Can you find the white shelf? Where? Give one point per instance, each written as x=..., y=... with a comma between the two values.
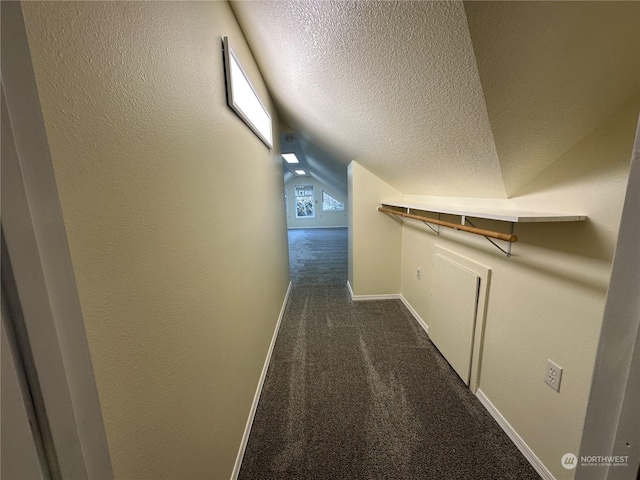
x=503, y=214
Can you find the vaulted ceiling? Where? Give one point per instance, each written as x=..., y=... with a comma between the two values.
x=551, y=73
x=444, y=98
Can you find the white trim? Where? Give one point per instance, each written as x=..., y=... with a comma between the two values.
x=23, y=456
x=484, y=272
x=418, y=318
x=612, y=418
x=389, y=296
x=531, y=457
x=256, y=398
x=334, y=197
x=231, y=58
x=306, y=228
x=313, y=196
x=43, y=275
x=364, y=298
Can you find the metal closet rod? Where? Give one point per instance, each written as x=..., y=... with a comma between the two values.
x=507, y=237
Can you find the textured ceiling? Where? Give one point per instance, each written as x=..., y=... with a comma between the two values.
x=392, y=84
x=442, y=98
x=551, y=73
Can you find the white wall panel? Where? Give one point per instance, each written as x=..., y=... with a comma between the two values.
x=453, y=313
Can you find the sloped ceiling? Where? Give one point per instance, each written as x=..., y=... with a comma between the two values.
x=392, y=84
x=320, y=164
x=442, y=98
x=551, y=73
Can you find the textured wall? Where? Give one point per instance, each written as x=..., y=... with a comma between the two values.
x=375, y=240
x=153, y=169
x=547, y=301
x=322, y=219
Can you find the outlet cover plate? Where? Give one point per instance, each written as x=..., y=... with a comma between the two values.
x=553, y=375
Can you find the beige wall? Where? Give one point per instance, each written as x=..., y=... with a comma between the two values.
x=547, y=301
x=322, y=219
x=551, y=73
x=375, y=240
x=178, y=297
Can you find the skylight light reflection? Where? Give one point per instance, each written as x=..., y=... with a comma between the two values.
x=290, y=158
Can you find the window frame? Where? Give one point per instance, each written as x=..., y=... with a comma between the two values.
x=313, y=199
x=324, y=192
x=229, y=55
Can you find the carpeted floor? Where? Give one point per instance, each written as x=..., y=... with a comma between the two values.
x=318, y=256
x=356, y=390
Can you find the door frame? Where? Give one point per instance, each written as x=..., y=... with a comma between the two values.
x=612, y=418
x=44, y=280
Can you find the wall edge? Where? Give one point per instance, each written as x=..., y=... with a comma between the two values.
x=256, y=398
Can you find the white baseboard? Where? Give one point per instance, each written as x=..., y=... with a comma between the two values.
x=418, y=318
x=364, y=298
x=256, y=398
x=328, y=226
x=389, y=296
x=515, y=438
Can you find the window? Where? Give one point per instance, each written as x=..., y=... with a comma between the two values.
x=243, y=99
x=330, y=204
x=304, y=201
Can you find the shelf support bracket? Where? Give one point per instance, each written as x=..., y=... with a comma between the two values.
x=426, y=222
x=507, y=252
x=435, y=230
x=400, y=218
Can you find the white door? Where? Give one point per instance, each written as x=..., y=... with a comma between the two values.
x=453, y=313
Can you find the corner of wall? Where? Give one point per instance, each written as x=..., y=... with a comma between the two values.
x=375, y=239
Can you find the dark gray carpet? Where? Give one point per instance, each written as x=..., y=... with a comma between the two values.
x=318, y=256
x=356, y=390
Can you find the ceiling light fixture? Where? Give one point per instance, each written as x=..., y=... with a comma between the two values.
x=290, y=158
x=301, y=172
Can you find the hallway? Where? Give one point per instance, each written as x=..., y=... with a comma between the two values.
x=318, y=256
x=146, y=229
x=356, y=390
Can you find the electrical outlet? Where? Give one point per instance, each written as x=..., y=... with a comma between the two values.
x=419, y=273
x=553, y=375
